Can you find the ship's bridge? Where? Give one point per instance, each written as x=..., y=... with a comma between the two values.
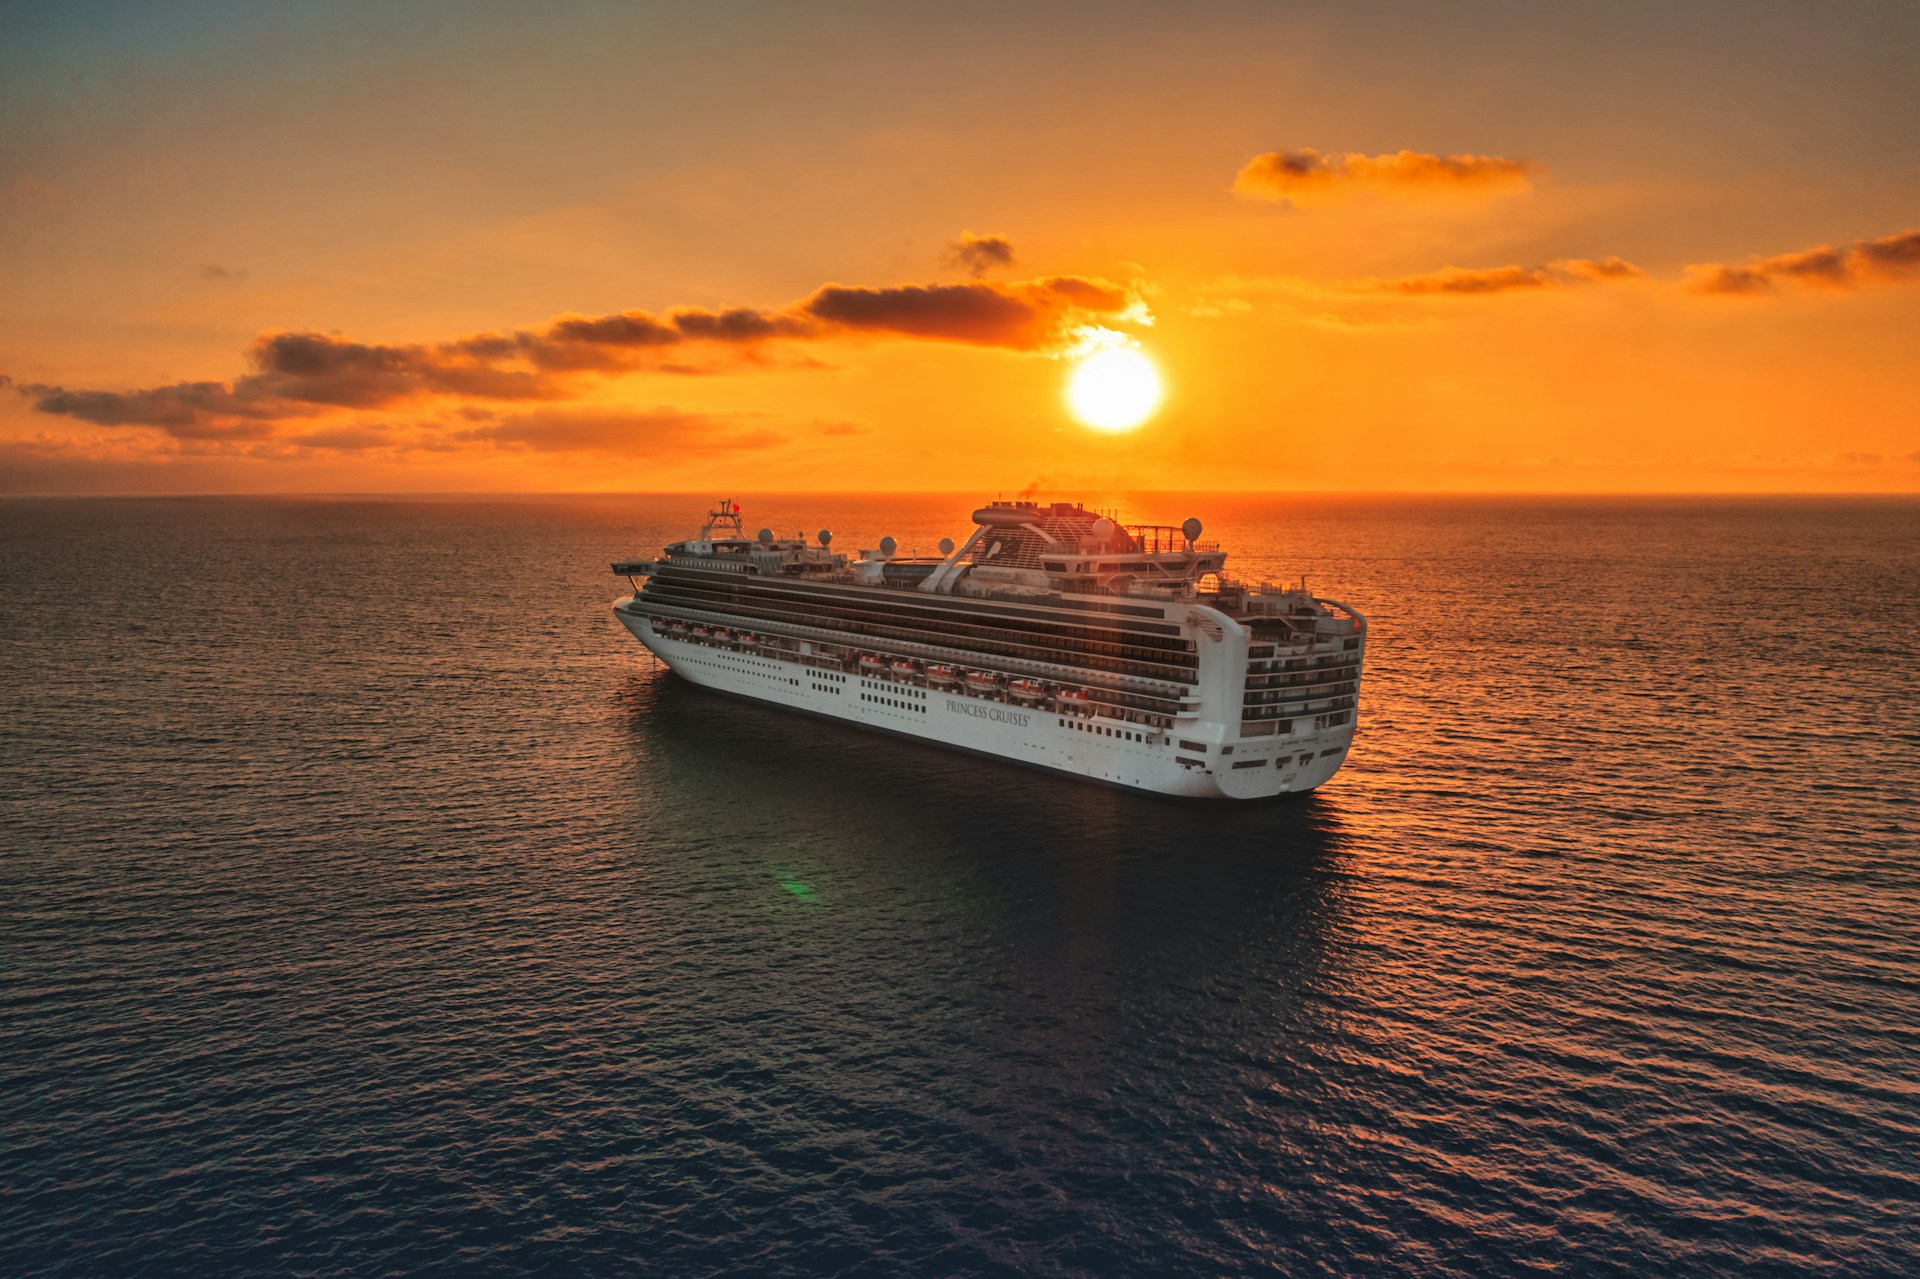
x=1081, y=549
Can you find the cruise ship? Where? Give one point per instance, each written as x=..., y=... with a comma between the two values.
x=1053, y=636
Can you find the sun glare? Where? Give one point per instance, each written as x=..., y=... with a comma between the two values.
x=1115, y=389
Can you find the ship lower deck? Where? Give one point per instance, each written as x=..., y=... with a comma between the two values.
x=1088, y=746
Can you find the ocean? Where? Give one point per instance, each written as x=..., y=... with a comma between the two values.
x=375, y=907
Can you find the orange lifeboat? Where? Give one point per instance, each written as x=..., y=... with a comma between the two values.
x=701, y=632
x=723, y=635
x=981, y=681
x=902, y=670
x=941, y=675
x=751, y=641
x=871, y=665
x=1072, y=697
x=1027, y=690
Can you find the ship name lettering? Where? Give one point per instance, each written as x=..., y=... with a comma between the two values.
x=1018, y=719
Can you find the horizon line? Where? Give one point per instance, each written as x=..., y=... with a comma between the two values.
x=708, y=493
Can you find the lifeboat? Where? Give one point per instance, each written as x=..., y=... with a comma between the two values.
x=701, y=632
x=1072, y=697
x=902, y=670
x=941, y=675
x=677, y=628
x=1027, y=690
x=982, y=681
x=751, y=641
x=723, y=635
x=871, y=665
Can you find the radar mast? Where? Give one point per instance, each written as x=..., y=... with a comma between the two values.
x=726, y=516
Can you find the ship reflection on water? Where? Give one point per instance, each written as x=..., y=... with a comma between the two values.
x=908, y=830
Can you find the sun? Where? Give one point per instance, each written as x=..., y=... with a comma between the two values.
x=1115, y=389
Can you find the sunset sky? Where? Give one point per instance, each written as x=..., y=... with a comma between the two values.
x=340, y=248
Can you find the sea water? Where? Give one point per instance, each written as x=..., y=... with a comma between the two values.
x=375, y=906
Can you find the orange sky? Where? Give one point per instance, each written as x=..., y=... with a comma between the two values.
x=1613, y=247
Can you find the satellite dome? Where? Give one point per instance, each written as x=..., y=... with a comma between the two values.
x=888, y=546
x=1191, y=528
x=946, y=546
x=1103, y=528
x=766, y=537
x=826, y=536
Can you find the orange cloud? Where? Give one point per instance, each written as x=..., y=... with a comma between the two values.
x=1891, y=259
x=1461, y=282
x=1307, y=176
x=979, y=254
x=300, y=375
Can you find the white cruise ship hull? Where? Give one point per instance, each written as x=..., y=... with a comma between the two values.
x=1193, y=758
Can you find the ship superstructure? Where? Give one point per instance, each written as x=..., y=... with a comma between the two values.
x=1053, y=636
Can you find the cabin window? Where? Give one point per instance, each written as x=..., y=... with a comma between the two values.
x=1186, y=745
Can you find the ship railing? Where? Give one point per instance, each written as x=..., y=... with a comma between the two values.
x=1114, y=654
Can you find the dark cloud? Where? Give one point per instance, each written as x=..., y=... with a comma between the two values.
x=1309, y=176
x=1032, y=315
x=317, y=368
x=978, y=254
x=214, y=271
x=187, y=410
x=297, y=375
x=1891, y=259
x=1462, y=282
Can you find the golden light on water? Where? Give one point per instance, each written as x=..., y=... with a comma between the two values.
x=1114, y=389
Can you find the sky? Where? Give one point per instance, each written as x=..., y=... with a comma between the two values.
x=1580, y=247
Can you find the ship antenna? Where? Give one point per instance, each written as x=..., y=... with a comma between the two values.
x=727, y=515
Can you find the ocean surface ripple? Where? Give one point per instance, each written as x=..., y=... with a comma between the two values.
x=375, y=907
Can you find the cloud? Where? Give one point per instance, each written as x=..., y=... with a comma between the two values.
x=186, y=410
x=1307, y=176
x=979, y=254
x=1462, y=282
x=619, y=431
x=346, y=439
x=214, y=271
x=1032, y=315
x=1891, y=259
x=302, y=375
